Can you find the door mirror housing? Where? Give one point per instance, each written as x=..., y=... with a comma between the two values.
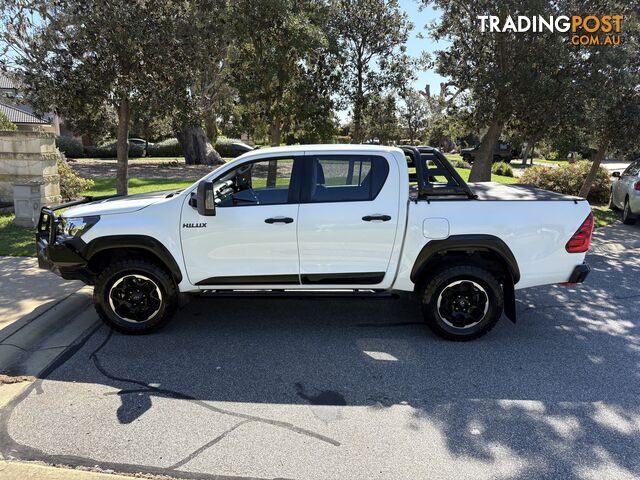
x=204, y=199
x=616, y=174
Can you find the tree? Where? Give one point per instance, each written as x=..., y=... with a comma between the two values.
x=6, y=124
x=380, y=119
x=84, y=58
x=280, y=60
x=414, y=113
x=372, y=36
x=494, y=70
x=607, y=91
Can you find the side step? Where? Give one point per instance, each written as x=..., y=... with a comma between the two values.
x=300, y=293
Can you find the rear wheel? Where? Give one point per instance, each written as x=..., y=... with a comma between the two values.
x=628, y=218
x=462, y=302
x=135, y=296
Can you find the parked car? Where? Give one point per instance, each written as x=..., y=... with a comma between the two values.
x=312, y=219
x=502, y=152
x=141, y=143
x=625, y=192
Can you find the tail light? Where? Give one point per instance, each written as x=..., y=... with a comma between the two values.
x=636, y=186
x=580, y=241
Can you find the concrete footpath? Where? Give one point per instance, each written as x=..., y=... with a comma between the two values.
x=41, y=316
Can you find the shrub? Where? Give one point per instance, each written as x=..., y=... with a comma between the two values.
x=110, y=150
x=224, y=147
x=461, y=164
x=568, y=179
x=166, y=148
x=502, y=168
x=71, y=185
x=6, y=124
x=71, y=147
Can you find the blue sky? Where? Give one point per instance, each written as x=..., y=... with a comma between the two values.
x=416, y=46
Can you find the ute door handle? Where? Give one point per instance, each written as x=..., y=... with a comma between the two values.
x=278, y=220
x=371, y=218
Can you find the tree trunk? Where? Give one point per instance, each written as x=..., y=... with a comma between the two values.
x=481, y=170
x=196, y=147
x=591, y=176
x=122, y=180
x=357, y=133
x=275, y=132
x=533, y=151
x=525, y=154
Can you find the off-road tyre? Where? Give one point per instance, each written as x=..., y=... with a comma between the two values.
x=443, y=285
x=142, y=280
x=612, y=205
x=628, y=218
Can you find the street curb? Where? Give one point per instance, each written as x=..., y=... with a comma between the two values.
x=36, y=471
x=37, y=345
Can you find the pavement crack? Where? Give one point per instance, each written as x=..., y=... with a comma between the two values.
x=207, y=445
x=182, y=396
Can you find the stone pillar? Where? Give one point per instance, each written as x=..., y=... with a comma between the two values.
x=27, y=200
x=28, y=157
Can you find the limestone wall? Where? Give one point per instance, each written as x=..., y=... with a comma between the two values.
x=29, y=157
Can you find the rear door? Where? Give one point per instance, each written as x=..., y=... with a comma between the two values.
x=348, y=219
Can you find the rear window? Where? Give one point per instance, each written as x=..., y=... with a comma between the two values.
x=346, y=178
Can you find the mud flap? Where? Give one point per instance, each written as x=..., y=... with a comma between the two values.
x=509, y=301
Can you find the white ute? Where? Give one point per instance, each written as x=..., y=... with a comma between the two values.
x=314, y=218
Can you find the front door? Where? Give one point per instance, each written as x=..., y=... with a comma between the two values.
x=251, y=240
x=347, y=220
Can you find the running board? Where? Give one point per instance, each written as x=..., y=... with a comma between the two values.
x=361, y=293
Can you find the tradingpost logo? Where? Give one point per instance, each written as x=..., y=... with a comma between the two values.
x=582, y=30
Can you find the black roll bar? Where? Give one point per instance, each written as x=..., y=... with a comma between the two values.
x=455, y=184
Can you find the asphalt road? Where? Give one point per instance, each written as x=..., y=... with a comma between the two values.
x=357, y=389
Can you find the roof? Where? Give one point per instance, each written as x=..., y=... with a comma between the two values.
x=6, y=82
x=332, y=147
x=19, y=116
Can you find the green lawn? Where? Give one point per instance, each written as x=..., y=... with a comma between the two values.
x=464, y=173
x=159, y=159
x=107, y=186
x=453, y=157
x=16, y=241
x=603, y=215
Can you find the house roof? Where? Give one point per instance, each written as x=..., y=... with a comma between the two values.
x=6, y=82
x=18, y=116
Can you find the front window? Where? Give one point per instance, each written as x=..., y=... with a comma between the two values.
x=265, y=182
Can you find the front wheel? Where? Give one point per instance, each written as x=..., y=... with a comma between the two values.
x=628, y=218
x=462, y=302
x=135, y=296
x=612, y=204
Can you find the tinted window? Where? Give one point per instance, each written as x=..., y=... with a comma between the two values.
x=632, y=170
x=259, y=183
x=346, y=178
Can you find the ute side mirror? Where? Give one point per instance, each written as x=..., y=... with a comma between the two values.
x=616, y=174
x=204, y=199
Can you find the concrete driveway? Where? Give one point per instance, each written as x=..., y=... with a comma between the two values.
x=357, y=389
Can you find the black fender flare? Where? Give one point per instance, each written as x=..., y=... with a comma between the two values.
x=470, y=243
x=144, y=242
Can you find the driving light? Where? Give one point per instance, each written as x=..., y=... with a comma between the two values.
x=76, y=226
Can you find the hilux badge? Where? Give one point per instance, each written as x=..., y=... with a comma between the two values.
x=194, y=225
